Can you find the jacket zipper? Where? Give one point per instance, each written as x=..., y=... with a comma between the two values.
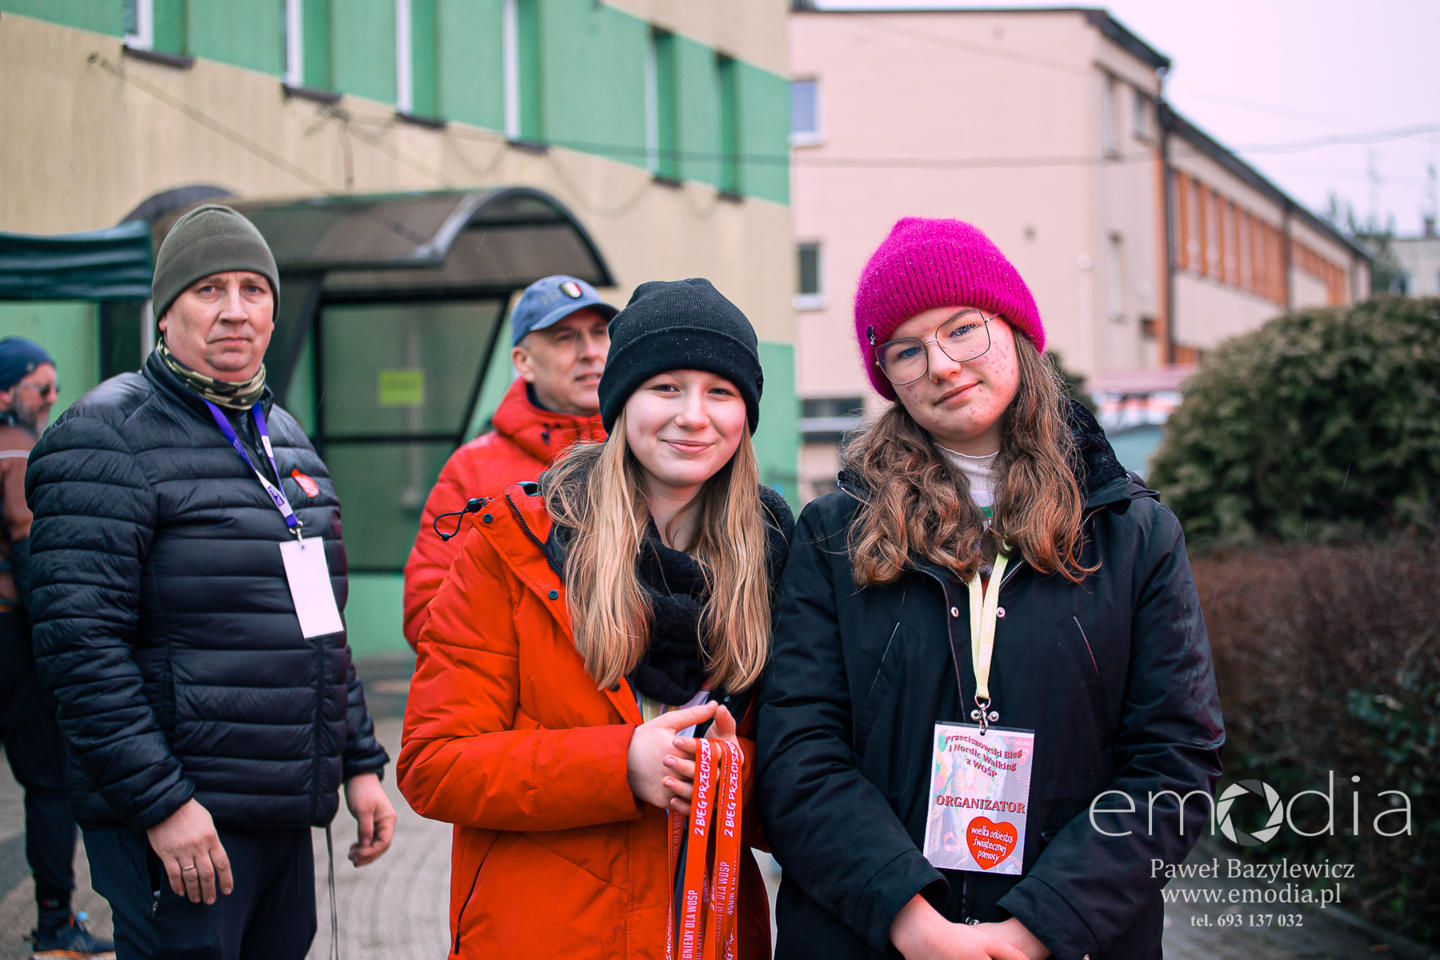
x=1088, y=649
x=460, y=917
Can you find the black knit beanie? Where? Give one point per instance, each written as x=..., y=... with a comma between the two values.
x=679, y=325
x=209, y=239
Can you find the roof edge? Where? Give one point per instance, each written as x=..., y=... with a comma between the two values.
x=1098, y=17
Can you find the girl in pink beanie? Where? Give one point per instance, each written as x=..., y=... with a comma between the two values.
x=989, y=672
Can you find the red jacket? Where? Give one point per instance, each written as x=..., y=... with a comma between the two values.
x=525, y=441
x=507, y=737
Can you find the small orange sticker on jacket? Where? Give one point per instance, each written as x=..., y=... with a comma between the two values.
x=311, y=488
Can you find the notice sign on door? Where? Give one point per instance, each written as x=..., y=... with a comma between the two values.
x=402, y=388
x=979, y=798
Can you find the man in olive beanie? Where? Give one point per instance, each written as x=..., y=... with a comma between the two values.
x=187, y=578
x=204, y=241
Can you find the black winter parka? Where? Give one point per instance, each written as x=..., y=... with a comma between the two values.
x=1114, y=675
x=163, y=621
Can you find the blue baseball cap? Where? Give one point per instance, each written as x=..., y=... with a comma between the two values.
x=551, y=299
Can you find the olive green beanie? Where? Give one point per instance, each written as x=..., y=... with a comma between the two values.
x=209, y=239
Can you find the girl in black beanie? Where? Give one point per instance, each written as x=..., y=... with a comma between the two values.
x=590, y=627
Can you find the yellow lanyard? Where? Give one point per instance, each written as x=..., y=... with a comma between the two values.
x=983, y=606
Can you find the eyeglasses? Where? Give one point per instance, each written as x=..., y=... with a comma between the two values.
x=962, y=338
x=51, y=390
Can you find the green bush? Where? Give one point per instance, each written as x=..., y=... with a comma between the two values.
x=1322, y=425
x=1328, y=662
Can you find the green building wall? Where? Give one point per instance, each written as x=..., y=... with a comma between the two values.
x=589, y=70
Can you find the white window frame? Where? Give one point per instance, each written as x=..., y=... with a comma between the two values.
x=652, y=105
x=144, y=36
x=1115, y=276
x=808, y=138
x=404, y=69
x=1140, y=116
x=510, y=34
x=294, y=43
x=816, y=300
x=1110, y=128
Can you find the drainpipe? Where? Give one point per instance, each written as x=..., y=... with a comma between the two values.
x=1165, y=321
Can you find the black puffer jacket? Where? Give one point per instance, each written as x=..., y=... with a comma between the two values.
x=1114, y=675
x=163, y=620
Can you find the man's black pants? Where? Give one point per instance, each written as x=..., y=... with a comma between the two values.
x=37, y=758
x=269, y=916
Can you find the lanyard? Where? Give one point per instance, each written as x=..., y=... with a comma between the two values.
x=706, y=928
x=983, y=606
x=277, y=496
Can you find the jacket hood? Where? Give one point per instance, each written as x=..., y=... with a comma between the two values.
x=1101, y=477
x=541, y=433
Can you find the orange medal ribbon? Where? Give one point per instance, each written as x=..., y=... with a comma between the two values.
x=706, y=930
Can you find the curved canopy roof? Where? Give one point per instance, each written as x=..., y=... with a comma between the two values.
x=430, y=243
x=112, y=264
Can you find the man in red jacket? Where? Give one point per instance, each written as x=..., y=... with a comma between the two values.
x=559, y=342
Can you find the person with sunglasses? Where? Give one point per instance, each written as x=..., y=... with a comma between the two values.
x=990, y=675
x=28, y=390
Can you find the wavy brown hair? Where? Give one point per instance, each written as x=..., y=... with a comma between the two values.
x=597, y=490
x=919, y=504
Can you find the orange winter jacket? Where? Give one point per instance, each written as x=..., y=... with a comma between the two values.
x=525, y=441
x=507, y=737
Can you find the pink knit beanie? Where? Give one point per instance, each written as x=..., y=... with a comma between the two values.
x=927, y=263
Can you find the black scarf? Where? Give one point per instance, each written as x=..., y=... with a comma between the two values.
x=671, y=670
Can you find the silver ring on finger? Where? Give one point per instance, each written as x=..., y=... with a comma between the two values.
x=190, y=867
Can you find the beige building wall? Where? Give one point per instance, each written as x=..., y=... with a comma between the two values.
x=85, y=163
x=754, y=28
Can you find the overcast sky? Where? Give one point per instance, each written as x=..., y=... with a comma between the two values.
x=1262, y=75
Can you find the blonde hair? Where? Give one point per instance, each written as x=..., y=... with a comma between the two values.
x=597, y=490
x=919, y=505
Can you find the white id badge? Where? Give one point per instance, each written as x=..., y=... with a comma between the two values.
x=309, y=577
x=979, y=798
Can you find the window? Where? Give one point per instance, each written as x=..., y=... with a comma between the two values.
x=1115, y=277
x=139, y=23
x=804, y=112
x=292, y=43
x=305, y=42
x=828, y=419
x=661, y=153
x=404, y=76
x=415, y=68
x=728, y=114
x=1140, y=116
x=1107, y=113
x=808, y=295
x=1212, y=234
x=520, y=29
x=1244, y=272
x=1194, y=242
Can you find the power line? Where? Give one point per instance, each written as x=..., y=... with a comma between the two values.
x=249, y=145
